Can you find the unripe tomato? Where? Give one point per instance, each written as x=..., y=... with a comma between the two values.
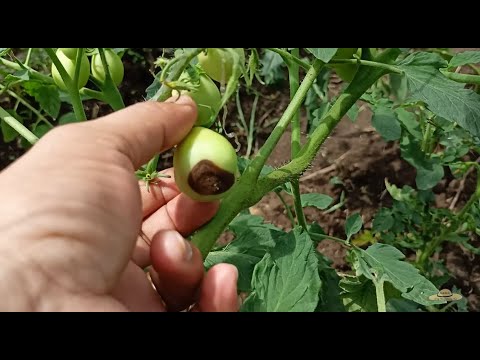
x=205, y=165
x=346, y=71
x=71, y=53
x=218, y=63
x=207, y=97
x=69, y=66
x=115, y=65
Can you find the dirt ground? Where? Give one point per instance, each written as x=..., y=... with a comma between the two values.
x=354, y=153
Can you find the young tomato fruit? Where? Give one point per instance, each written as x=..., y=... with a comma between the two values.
x=115, y=65
x=71, y=53
x=205, y=165
x=69, y=66
x=346, y=71
x=207, y=97
x=218, y=63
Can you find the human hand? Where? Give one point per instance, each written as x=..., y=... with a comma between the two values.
x=72, y=211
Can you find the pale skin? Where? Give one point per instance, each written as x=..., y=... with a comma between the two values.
x=72, y=211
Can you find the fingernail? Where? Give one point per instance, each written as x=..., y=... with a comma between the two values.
x=177, y=247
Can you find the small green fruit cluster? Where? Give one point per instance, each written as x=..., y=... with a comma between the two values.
x=68, y=58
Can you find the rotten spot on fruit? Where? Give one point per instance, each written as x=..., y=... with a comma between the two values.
x=446, y=295
x=206, y=178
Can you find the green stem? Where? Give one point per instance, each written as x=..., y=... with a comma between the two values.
x=290, y=58
x=322, y=237
x=379, y=65
x=18, y=126
x=426, y=137
x=70, y=84
x=27, y=105
x=293, y=75
x=287, y=207
x=462, y=78
x=253, y=171
x=364, y=79
x=252, y=126
x=165, y=91
x=98, y=95
x=381, y=304
x=111, y=94
x=33, y=73
x=238, y=199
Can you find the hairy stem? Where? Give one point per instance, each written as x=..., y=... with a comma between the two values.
x=462, y=78
x=291, y=58
x=238, y=199
x=293, y=76
x=365, y=78
x=379, y=65
x=18, y=126
x=253, y=171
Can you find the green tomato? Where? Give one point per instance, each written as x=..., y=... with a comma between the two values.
x=207, y=97
x=346, y=71
x=71, y=53
x=69, y=66
x=115, y=65
x=205, y=165
x=218, y=63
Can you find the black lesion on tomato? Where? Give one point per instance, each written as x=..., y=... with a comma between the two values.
x=206, y=178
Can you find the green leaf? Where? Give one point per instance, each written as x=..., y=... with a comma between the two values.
x=47, y=96
x=429, y=170
x=353, y=225
x=324, y=54
x=427, y=178
x=386, y=123
x=399, y=86
x=409, y=121
x=320, y=201
x=464, y=58
x=244, y=263
x=358, y=294
x=286, y=279
x=271, y=67
x=444, y=97
x=382, y=262
x=9, y=133
x=383, y=221
x=252, y=235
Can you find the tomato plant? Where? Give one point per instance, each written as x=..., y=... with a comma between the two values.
x=423, y=110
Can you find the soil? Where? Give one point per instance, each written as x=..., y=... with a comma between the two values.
x=355, y=153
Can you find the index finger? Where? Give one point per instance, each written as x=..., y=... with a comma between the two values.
x=142, y=130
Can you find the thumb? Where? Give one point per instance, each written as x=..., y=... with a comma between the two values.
x=142, y=130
